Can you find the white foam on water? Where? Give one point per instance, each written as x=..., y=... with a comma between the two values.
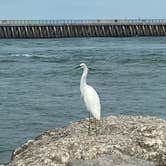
x=29, y=55
x=21, y=55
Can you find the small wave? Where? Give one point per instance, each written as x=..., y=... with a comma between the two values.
x=19, y=57
x=7, y=61
x=42, y=57
x=28, y=55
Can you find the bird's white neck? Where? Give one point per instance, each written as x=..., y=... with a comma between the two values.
x=83, y=78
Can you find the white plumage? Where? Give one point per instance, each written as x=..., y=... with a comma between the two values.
x=92, y=101
x=90, y=96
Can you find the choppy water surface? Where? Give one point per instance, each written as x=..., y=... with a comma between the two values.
x=40, y=90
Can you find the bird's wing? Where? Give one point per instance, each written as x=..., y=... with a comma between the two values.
x=92, y=101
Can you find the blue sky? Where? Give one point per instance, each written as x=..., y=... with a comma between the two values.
x=82, y=9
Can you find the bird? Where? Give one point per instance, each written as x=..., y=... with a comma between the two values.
x=90, y=96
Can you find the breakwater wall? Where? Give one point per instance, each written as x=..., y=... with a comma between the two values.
x=81, y=28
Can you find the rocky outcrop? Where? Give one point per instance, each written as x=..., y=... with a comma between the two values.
x=123, y=140
x=111, y=160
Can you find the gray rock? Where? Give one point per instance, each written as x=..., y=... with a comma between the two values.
x=136, y=139
x=111, y=160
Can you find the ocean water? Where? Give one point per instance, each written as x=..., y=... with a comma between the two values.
x=39, y=87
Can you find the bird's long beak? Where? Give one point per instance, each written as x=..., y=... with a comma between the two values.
x=77, y=67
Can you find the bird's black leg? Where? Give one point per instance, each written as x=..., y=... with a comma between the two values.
x=89, y=124
x=96, y=126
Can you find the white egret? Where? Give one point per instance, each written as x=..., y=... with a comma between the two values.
x=90, y=96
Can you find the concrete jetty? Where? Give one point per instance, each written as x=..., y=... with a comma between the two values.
x=81, y=28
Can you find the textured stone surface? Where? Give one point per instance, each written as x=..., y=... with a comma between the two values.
x=134, y=139
x=111, y=160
